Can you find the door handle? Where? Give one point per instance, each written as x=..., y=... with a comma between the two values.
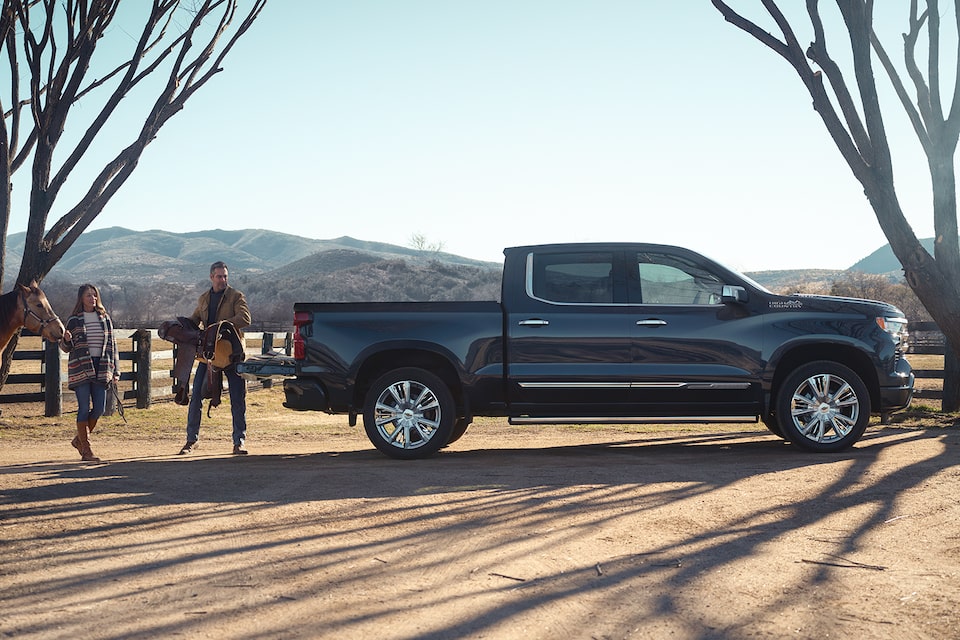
x=652, y=322
x=534, y=322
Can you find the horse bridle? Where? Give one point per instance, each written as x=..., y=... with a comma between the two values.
x=28, y=311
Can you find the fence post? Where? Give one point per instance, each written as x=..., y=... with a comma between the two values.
x=142, y=375
x=53, y=386
x=266, y=346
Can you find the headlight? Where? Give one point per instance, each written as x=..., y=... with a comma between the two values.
x=897, y=328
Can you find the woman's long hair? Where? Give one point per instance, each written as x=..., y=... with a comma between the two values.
x=78, y=308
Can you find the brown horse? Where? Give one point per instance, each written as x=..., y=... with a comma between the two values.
x=27, y=307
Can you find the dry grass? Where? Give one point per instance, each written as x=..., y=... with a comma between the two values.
x=267, y=419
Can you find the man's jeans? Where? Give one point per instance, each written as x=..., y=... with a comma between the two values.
x=238, y=404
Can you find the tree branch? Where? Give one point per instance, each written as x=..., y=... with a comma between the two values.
x=933, y=58
x=910, y=62
x=184, y=79
x=791, y=51
x=953, y=120
x=817, y=52
x=901, y=91
x=858, y=17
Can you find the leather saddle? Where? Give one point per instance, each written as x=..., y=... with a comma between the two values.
x=219, y=345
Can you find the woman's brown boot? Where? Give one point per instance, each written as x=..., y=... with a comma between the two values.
x=75, y=443
x=82, y=444
x=91, y=423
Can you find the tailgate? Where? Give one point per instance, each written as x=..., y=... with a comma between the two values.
x=267, y=365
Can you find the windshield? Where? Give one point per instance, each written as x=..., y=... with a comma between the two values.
x=748, y=279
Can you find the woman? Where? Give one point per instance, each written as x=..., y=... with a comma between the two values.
x=93, y=365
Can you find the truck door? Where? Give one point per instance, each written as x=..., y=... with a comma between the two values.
x=693, y=355
x=568, y=343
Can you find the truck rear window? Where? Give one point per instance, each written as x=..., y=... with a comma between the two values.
x=572, y=277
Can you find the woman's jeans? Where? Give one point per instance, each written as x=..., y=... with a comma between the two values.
x=238, y=404
x=95, y=392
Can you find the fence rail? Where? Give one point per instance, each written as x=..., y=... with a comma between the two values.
x=927, y=339
x=144, y=370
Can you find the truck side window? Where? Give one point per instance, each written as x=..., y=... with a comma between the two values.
x=572, y=277
x=669, y=279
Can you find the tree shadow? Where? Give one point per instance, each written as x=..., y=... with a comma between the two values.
x=460, y=496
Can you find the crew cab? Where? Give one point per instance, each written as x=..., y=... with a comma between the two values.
x=600, y=333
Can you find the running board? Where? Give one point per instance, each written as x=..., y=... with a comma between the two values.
x=628, y=420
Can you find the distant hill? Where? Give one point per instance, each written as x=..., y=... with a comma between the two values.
x=146, y=276
x=149, y=275
x=796, y=280
x=116, y=254
x=883, y=261
x=343, y=275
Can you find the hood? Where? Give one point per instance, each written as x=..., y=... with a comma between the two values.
x=838, y=304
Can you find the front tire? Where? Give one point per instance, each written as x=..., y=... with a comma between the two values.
x=772, y=424
x=823, y=406
x=409, y=413
x=459, y=428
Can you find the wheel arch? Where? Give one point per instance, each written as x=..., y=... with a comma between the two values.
x=383, y=361
x=841, y=353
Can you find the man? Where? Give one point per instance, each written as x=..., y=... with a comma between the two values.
x=220, y=302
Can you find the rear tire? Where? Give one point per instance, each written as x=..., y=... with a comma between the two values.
x=823, y=406
x=409, y=413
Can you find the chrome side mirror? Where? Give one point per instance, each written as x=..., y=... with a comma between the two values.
x=732, y=293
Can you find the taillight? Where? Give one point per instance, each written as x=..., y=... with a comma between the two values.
x=300, y=318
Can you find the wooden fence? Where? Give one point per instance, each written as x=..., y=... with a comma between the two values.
x=140, y=378
x=927, y=339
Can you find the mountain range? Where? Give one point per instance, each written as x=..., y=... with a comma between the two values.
x=116, y=255
x=149, y=276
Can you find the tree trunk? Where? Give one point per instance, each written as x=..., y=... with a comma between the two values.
x=951, y=379
x=935, y=281
x=946, y=250
x=8, y=358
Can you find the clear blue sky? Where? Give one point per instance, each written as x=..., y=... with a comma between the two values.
x=484, y=124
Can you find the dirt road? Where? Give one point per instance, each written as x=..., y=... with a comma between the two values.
x=512, y=532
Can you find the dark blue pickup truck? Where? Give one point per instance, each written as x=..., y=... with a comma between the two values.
x=600, y=333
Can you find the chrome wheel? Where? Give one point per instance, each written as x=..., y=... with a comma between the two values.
x=823, y=406
x=408, y=413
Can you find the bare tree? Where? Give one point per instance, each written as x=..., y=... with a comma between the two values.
x=874, y=286
x=50, y=47
x=857, y=284
x=420, y=242
x=855, y=123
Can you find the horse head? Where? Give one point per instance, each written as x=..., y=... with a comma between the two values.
x=38, y=316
